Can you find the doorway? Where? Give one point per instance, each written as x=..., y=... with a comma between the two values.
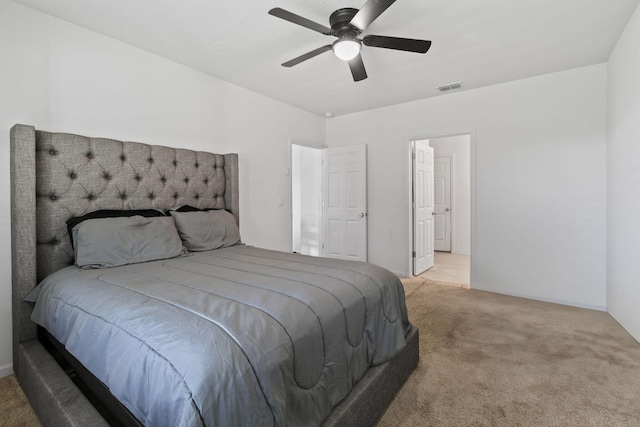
x=329, y=201
x=306, y=200
x=452, y=203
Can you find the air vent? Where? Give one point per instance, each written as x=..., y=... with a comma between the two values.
x=450, y=86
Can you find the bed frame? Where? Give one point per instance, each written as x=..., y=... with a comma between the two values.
x=55, y=176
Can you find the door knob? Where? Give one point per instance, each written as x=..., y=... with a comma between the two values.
x=446, y=210
x=362, y=215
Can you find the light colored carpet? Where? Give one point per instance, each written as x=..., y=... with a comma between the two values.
x=14, y=407
x=493, y=360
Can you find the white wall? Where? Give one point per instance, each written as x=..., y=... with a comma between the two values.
x=539, y=148
x=623, y=179
x=61, y=77
x=458, y=147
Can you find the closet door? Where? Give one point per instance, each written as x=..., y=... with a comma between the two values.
x=345, y=202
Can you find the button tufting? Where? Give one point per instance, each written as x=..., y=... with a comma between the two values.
x=150, y=160
x=53, y=197
x=123, y=196
x=175, y=196
x=186, y=180
x=138, y=177
x=163, y=179
x=90, y=197
x=206, y=181
x=107, y=176
x=53, y=151
x=197, y=165
x=123, y=158
x=197, y=196
x=73, y=175
x=175, y=163
x=151, y=196
x=54, y=241
x=90, y=155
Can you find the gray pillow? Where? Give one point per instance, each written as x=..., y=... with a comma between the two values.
x=109, y=242
x=206, y=230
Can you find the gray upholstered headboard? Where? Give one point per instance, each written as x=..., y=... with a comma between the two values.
x=55, y=176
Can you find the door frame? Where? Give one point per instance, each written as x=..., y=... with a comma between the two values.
x=409, y=195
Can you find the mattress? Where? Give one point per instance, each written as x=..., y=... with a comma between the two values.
x=231, y=337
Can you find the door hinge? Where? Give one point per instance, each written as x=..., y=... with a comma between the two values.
x=414, y=254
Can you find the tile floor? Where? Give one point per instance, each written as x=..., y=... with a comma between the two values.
x=448, y=267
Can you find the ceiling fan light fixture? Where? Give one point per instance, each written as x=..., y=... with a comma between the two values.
x=347, y=48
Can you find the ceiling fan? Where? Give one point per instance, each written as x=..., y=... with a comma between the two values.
x=347, y=24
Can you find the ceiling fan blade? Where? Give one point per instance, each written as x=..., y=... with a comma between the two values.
x=369, y=12
x=308, y=55
x=357, y=69
x=398, y=43
x=297, y=19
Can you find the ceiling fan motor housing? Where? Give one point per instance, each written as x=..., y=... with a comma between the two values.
x=340, y=22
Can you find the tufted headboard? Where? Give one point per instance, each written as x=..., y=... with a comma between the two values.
x=55, y=176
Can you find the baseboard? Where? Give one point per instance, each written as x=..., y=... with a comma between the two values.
x=6, y=370
x=536, y=298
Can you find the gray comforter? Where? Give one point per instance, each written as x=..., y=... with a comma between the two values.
x=230, y=337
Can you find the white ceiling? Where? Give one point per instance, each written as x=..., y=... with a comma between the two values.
x=478, y=42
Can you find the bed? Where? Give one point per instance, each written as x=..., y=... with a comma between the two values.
x=299, y=364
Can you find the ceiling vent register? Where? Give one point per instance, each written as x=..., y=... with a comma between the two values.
x=450, y=86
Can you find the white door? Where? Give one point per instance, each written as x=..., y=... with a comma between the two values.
x=442, y=233
x=422, y=207
x=345, y=202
